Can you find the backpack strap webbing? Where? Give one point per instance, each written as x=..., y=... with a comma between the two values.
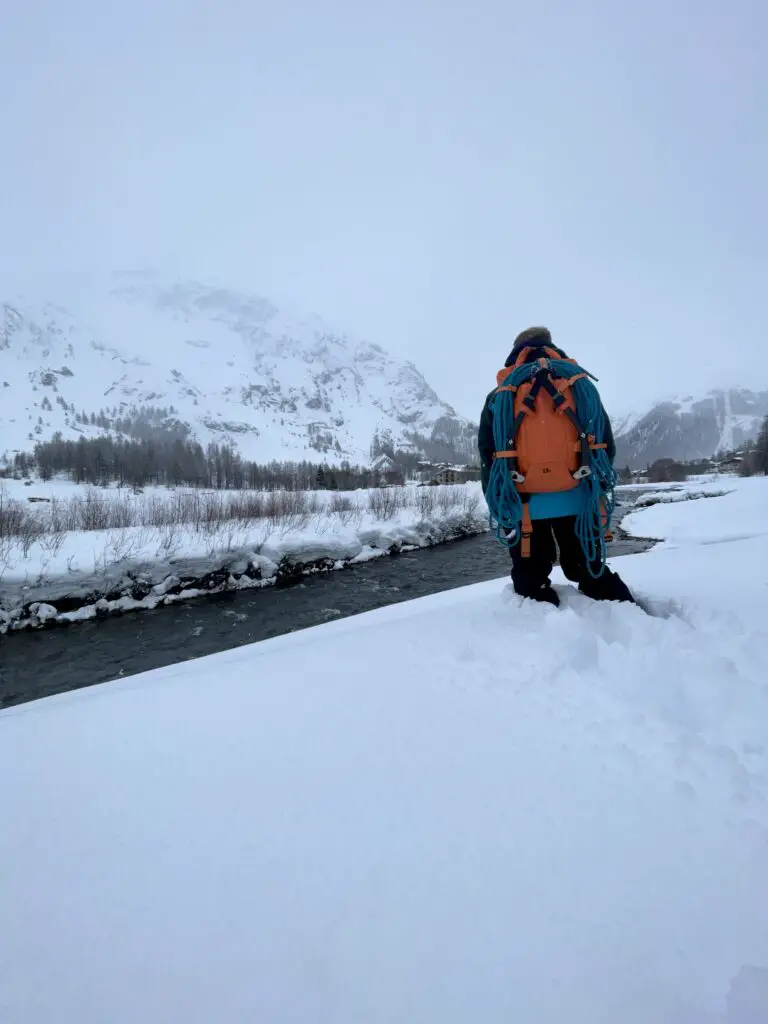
x=526, y=529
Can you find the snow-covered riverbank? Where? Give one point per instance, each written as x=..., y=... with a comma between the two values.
x=179, y=544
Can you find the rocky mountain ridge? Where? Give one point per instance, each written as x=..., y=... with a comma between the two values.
x=215, y=364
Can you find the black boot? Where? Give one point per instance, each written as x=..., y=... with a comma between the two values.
x=607, y=587
x=545, y=594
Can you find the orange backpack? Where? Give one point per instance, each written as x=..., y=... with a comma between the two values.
x=548, y=451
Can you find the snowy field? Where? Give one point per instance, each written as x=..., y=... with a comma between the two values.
x=466, y=808
x=80, y=552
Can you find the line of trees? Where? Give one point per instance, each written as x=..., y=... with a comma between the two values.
x=176, y=461
x=102, y=461
x=139, y=422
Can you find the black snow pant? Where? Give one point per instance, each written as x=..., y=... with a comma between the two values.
x=530, y=575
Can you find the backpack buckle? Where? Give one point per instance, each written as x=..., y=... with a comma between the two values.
x=518, y=478
x=582, y=473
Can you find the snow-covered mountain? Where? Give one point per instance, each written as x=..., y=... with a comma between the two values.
x=690, y=428
x=229, y=366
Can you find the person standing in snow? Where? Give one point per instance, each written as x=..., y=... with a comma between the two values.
x=551, y=493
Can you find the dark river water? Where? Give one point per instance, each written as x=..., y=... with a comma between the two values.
x=37, y=663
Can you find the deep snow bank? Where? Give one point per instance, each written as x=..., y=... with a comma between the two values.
x=465, y=808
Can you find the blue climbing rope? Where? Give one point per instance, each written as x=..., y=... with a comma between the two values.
x=502, y=496
x=597, y=490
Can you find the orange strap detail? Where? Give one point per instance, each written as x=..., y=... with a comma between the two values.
x=553, y=353
x=507, y=387
x=595, y=447
x=562, y=383
x=592, y=447
x=525, y=540
x=510, y=454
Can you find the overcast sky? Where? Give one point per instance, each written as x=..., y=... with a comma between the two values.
x=433, y=175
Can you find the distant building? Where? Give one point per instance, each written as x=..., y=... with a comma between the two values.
x=382, y=464
x=385, y=473
x=730, y=464
x=457, y=474
x=445, y=473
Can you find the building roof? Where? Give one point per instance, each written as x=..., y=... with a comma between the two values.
x=382, y=461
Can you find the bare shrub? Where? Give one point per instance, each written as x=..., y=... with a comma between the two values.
x=170, y=537
x=19, y=526
x=470, y=503
x=30, y=537
x=121, y=546
x=234, y=531
x=383, y=502
x=344, y=508
x=92, y=510
x=245, y=506
x=314, y=501
x=447, y=499
x=211, y=512
x=42, y=576
x=5, y=556
x=287, y=506
x=60, y=516
x=52, y=540
x=297, y=503
x=340, y=502
x=121, y=513
x=425, y=501
x=13, y=516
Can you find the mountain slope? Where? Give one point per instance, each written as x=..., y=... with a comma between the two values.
x=690, y=429
x=232, y=367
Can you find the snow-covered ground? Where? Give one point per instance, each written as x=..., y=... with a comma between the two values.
x=744, y=516
x=185, y=543
x=464, y=808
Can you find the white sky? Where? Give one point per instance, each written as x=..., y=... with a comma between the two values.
x=435, y=176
